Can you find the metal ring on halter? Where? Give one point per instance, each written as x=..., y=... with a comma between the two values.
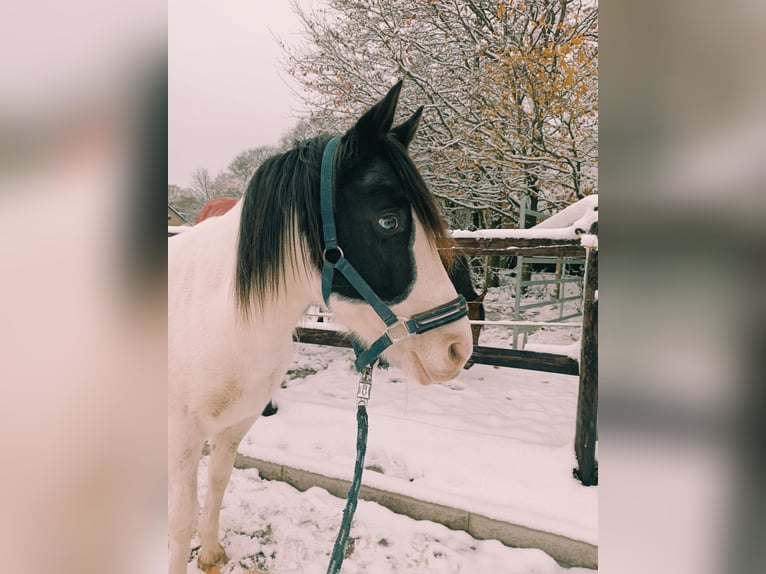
x=400, y=323
x=336, y=248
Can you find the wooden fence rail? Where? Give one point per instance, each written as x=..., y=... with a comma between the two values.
x=548, y=362
x=529, y=247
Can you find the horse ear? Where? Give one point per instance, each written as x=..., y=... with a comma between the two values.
x=406, y=131
x=373, y=126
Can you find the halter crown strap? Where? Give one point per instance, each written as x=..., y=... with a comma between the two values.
x=325, y=196
x=334, y=258
x=328, y=217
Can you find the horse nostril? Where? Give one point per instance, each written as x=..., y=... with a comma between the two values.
x=458, y=352
x=455, y=352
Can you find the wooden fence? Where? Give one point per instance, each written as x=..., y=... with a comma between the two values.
x=587, y=402
x=548, y=362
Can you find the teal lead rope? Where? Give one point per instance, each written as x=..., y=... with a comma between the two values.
x=339, y=550
x=396, y=329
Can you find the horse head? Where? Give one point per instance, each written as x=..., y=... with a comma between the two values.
x=389, y=228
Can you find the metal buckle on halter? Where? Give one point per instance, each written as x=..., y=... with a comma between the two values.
x=400, y=324
x=336, y=248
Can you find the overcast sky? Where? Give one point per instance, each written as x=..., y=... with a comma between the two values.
x=226, y=87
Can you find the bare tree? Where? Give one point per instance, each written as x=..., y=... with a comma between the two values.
x=228, y=184
x=231, y=182
x=307, y=128
x=174, y=193
x=244, y=165
x=202, y=184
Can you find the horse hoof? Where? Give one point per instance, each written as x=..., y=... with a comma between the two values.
x=270, y=409
x=210, y=562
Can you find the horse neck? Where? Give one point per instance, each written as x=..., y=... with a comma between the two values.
x=298, y=288
x=284, y=309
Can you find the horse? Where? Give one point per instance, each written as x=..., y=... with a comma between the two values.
x=460, y=275
x=238, y=284
x=215, y=207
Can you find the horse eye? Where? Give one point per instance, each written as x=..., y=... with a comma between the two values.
x=388, y=223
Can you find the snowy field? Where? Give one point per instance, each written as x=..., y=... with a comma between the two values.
x=495, y=441
x=270, y=527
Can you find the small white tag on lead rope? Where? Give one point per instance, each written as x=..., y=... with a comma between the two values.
x=365, y=386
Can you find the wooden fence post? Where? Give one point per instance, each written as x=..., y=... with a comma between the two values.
x=587, y=399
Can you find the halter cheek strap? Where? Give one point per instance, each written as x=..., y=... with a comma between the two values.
x=334, y=259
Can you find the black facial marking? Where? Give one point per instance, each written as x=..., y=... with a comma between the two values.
x=368, y=193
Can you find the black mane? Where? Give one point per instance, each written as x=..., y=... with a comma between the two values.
x=283, y=197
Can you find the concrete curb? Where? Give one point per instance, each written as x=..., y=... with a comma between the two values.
x=566, y=551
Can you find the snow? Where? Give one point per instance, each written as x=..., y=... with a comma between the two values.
x=271, y=527
x=571, y=214
x=566, y=224
x=495, y=441
x=589, y=241
x=563, y=233
x=572, y=350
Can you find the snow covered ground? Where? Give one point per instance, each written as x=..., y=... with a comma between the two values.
x=494, y=441
x=270, y=527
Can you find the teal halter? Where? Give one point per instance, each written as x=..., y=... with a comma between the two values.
x=334, y=259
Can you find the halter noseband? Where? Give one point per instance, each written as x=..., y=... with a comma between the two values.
x=396, y=328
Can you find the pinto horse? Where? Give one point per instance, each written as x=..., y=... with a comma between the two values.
x=215, y=207
x=238, y=284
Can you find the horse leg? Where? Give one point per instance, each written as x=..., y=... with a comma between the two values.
x=183, y=506
x=223, y=451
